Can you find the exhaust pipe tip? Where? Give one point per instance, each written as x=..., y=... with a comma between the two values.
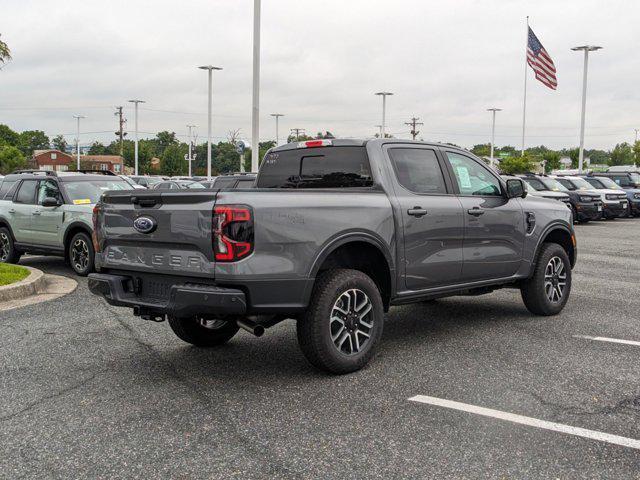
x=251, y=327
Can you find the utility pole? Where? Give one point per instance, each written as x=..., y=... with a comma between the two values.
x=78, y=117
x=121, y=133
x=586, y=49
x=277, y=117
x=136, y=102
x=297, y=132
x=413, y=123
x=255, y=110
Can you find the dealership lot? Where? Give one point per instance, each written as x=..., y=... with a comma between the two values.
x=90, y=390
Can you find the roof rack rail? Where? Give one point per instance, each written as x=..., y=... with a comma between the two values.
x=95, y=172
x=44, y=172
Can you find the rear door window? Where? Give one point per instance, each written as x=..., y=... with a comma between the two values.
x=417, y=170
x=27, y=192
x=48, y=188
x=323, y=167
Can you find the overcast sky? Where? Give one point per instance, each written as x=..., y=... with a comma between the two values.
x=322, y=61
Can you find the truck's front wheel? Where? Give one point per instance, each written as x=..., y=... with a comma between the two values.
x=344, y=322
x=203, y=333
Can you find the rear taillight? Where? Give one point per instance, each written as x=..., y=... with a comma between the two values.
x=94, y=235
x=232, y=232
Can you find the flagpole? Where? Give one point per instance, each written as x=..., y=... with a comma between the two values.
x=524, y=103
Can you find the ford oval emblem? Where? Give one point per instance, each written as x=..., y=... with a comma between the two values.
x=145, y=224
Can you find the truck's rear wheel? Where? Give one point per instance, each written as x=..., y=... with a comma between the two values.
x=203, y=333
x=548, y=289
x=344, y=322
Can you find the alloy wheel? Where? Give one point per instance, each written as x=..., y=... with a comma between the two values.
x=555, y=279
x=351, y=321
x=80, y=255
x=5, y=247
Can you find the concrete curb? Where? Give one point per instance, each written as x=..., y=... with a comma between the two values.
x=35, y=283
x=51, y=287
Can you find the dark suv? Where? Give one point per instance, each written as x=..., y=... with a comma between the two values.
x=585, y=206
x=630, y=182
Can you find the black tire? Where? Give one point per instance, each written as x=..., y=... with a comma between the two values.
x=192, y=331
x=316, y=327
x=8, y=252
x=81, y=255
x=535, y=291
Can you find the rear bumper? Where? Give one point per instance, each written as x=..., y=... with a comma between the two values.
x=181, y=300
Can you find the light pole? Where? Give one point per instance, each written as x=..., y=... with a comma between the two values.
x=78, y=117
x=277, y=117
x=384, y=111
x=255, y=110
x=210, y=69
x=190, y=145
x=135, y=150
x=493, y=129
x=586, y=49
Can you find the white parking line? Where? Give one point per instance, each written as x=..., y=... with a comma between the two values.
x=610, y=340
x=532, y=422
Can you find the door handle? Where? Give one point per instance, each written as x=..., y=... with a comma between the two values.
x=35, y=213
x=12, y=211
x=475, y=211
x=417, y=212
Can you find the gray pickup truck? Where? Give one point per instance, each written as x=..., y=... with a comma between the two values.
x=333, y=234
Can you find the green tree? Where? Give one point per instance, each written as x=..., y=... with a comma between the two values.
x=622, y=154
x=301, y=138
x=31, y=140
x=599, y=157
x=517, y=164
x=97, y=148
x=482, y=150
x=551, y=161
x=508, y=149
x=636, y=153
x=146, y=151
x=59, y=143
x=5, y=53
x=172, y=161
x=11, y=158
x=8, y=136
x=164, y=140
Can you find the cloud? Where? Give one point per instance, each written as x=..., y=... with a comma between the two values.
x=322, y=62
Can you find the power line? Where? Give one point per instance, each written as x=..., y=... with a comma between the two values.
x=298, y=130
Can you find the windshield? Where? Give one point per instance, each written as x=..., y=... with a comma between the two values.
x=535, y=184
x=581, y=184
x=554, y=185
x=88, y=191
x=608, y=183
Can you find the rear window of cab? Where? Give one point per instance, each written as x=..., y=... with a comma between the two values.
x=322, y=167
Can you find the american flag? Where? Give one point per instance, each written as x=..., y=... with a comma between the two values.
x=540, y=61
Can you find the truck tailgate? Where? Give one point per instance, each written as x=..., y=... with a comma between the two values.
x=178, y=239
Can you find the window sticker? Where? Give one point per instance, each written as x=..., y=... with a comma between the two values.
x=463, y=176
x=82, y=201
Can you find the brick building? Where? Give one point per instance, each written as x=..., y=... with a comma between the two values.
x=61, y=161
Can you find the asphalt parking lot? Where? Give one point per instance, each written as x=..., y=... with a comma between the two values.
x=88, y=390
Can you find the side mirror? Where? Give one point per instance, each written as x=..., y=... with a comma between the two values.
x=50, y=202
x=516, y=188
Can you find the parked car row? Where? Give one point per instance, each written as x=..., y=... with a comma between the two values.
x=595, y=196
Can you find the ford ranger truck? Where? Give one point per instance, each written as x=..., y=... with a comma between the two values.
x=332, y=234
